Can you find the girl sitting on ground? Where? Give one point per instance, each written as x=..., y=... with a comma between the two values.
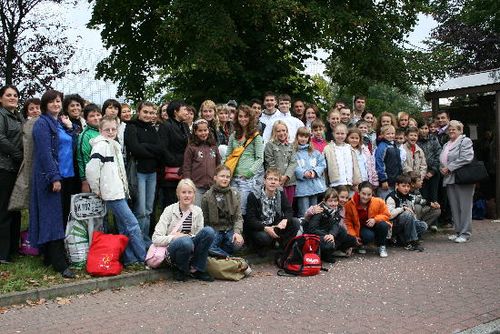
x=326, y=222
x=221, y=211
x=181, y=230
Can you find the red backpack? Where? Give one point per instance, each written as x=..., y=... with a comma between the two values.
x=104, y=254
x=301, y=256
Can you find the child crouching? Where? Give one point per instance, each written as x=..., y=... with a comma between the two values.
x=326, y=222
x=406, y=227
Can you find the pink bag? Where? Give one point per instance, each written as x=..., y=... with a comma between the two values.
x=26, y=248
x=155, y=256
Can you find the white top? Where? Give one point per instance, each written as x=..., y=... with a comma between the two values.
x=344, y=162
x=292, y=123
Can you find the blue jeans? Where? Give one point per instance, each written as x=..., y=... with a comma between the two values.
x=407, y=227
x=377, y=233
x=146, y=187
x=127, y=225
x=191, y=251
x=223, y=245
x=304, y=203
x=245, y=187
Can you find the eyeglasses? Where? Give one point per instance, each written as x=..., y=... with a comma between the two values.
x=109, y=130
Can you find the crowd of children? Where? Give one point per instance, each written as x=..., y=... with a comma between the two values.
x=260, y=173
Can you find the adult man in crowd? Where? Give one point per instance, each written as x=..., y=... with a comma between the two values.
x=298, y=109
x=443, y=120
x=359, y=108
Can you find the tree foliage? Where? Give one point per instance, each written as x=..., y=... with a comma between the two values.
x=223, y=49
x=216, y=49
x=367, y=41
x=467, y=38
x=32, y=44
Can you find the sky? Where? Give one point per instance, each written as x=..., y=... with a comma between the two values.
x=91, y=51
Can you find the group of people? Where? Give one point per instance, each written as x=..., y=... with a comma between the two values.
x=256, y=174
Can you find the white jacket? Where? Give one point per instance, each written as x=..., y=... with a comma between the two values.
x=105, y=171
x=170, y=218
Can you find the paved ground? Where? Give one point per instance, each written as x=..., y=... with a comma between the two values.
x=448, y=288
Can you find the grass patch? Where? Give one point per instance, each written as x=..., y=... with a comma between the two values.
x=28, y=273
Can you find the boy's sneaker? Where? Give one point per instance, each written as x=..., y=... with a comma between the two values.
x=461, y=239
x=433, y=228
x=339, y=253
x=361, y=250
x=382, y=251
x=415, y=246
x=452, y=237
x=409, y=247
x=202, y=276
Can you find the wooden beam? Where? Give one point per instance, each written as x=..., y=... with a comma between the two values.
x=462, y=91
x=497, y=135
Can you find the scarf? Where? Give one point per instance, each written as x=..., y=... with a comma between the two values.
x=271, y=206
x=228, y=205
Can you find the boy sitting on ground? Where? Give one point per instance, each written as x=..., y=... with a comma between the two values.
x=426, y=211
x=269, y=216
x=406, y=228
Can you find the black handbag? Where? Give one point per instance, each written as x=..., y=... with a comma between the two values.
x=471, y=173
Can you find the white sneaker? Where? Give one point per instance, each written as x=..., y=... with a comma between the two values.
x=461, y=239
x=452, y=237
x=382, y=251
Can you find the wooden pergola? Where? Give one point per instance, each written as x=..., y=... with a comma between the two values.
x=475, y=83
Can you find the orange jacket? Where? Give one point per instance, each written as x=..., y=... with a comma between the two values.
x=376, y=209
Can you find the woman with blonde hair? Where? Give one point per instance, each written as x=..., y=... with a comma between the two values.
x=208, y=112
x=181, y=229
x=280, y=154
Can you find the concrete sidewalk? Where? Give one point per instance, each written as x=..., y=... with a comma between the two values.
x=448, y=288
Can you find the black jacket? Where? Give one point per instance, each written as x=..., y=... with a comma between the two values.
x=174, y=136
x=11, y=140
x=322, y=224
x=253, y=218
x=143, y=144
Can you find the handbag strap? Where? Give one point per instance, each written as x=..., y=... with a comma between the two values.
x=250, y=139
x=179, y=223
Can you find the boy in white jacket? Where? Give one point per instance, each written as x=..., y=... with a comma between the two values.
x=107, y=178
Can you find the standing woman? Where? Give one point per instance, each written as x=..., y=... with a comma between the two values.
x=11, y=156
x=52, y=164
x=249, y=170
x=174, y=135
x=208, y=113
x=72, y=107
x=143, y=144
x=456, y=153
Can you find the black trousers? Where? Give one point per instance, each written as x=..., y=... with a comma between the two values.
x=54, y=254
x=10, y=221
x=260, y=239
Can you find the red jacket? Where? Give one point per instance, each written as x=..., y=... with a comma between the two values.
x=376, y=209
